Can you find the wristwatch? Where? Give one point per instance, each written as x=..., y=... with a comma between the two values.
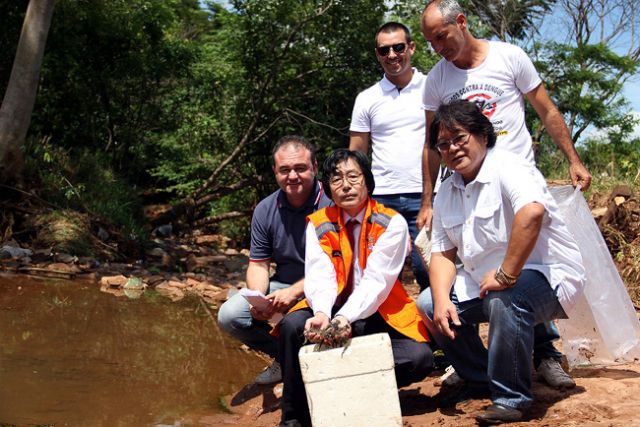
x=506, y=280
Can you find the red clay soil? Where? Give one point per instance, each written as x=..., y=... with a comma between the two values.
x=604, y=396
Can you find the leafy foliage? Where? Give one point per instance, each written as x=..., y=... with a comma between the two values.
x=187, y=97
x=510, y=20
x=278, y=68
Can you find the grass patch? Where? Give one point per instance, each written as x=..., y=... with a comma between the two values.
x=65, y=231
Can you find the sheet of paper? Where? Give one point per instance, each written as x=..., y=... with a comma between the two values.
x=255, y=298
x=259, y=301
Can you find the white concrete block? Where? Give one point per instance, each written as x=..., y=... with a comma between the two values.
x=353, y=386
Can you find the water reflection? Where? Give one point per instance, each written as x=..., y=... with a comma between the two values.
x=71, y=355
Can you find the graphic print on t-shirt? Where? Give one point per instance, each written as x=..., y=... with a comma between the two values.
x=486, y=97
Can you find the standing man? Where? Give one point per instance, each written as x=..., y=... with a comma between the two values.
x=277, y=235
x=355, y=252
x=390, y=115
x=497, y=77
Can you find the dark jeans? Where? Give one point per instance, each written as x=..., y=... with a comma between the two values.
x=505, y=366
x=413, y=360
x=408, y=205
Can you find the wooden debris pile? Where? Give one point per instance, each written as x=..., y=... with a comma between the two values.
x=618, y=216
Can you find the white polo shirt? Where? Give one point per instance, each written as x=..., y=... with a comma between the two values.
x=396, y=122
x=477, y=219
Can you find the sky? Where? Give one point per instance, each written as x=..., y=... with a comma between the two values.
x=557, y=24
x=632, y=93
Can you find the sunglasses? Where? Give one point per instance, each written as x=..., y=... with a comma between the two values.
x=397, y=48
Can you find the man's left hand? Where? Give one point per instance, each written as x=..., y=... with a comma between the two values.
x=263, y=315
x=580, y=175
x=283, y=299
x=489, y=283
x=342, y=329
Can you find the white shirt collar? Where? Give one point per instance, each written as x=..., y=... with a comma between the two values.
x=485, y=174
x=388, y=86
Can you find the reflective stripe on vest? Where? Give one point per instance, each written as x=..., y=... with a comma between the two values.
x=327, y=227
x=380, y=219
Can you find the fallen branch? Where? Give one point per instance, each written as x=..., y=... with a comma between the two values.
x=37, y=271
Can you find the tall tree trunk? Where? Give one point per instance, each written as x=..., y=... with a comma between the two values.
x=20, y=96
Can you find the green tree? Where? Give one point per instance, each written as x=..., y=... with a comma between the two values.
x=613, y=153
x=284, y=67
x=511, y=20
x=585, y=71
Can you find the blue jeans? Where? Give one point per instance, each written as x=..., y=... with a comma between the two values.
x=408, y=205
x=235, y=319
x=505, y=367
x=544, y=334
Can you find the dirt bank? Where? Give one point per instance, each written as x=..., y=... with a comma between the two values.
x=604, y=396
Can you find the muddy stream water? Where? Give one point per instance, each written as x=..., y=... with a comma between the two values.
x=71, y=355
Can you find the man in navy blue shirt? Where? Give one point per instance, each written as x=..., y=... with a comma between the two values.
x=277, y=235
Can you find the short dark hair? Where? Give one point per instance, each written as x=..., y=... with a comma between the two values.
x=461, y=114
x=330, y=167
x=296, y=141
x=392, y=27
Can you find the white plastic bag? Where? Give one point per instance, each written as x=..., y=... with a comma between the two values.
x=603, y=328
x=423, y=244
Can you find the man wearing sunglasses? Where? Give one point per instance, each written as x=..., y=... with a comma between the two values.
x=496, y=76
x=390, y=115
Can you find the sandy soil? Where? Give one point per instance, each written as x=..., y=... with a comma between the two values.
x=604, y=396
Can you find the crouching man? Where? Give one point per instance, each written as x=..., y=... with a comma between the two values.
x=521, y=266
x=277, y=235
x=354, y=255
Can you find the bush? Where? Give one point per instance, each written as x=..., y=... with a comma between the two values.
x=84, y=181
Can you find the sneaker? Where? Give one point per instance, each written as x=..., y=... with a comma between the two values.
x=551, y=372
x=498, y=414
x=450, y=378
x=271, y=375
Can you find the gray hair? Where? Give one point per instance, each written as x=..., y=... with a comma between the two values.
x=450, y=9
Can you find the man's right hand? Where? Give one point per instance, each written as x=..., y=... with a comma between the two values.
x=425, y=215
x=314, y=325
x=445, y=316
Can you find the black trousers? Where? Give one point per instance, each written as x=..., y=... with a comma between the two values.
x=413, y=360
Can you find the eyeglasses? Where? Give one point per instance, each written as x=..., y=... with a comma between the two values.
x=444, y=144
x=337, y=181
x=397, y=48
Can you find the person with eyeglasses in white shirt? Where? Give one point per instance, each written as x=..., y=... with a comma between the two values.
x=520, y=264
x=355, y=252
